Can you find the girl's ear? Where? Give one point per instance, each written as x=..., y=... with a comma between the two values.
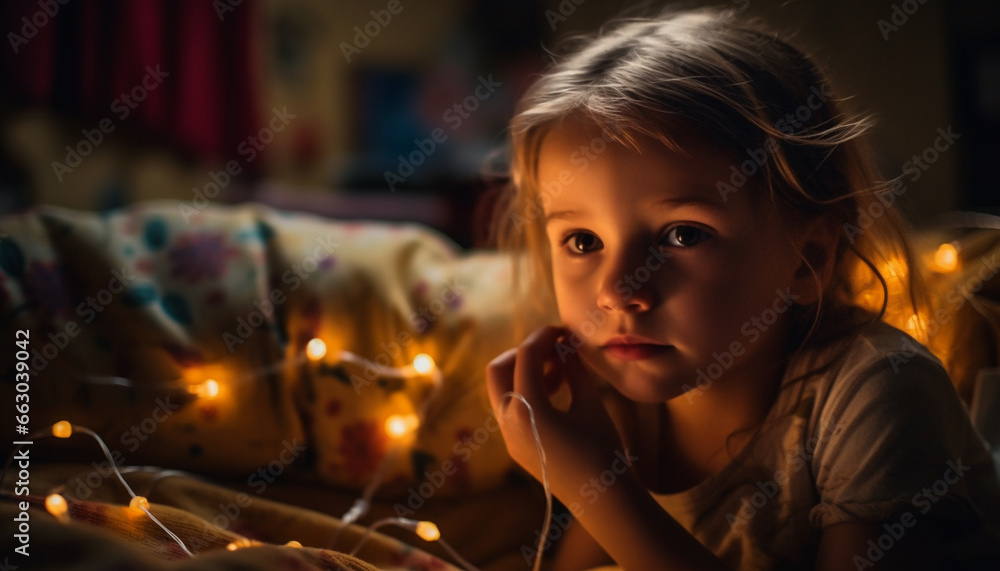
x=817, y=247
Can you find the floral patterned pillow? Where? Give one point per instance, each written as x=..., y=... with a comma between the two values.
x=182, y=340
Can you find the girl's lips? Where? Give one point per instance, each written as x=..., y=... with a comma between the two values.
x=635, y=351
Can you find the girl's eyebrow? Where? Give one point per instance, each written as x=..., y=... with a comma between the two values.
x=674, y=201
x=693, y=199
x=560, y=215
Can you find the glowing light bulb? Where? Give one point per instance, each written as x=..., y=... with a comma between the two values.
x=139, y=503
x=428, y=531
x=62, y=429
x=232, y=547
x=207, y=390
x=56, y=505
x=423, y=363
x=315, y=349
x=946, y=257
x=294, y=544
x=210, y=388
x=399, y=425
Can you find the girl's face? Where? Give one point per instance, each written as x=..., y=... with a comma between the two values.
x=668, y=285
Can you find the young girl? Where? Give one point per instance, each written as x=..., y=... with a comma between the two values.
x=689, y=191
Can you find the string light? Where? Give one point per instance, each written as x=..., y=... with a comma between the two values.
x=56, y=505
x=138, y=503
x=545, y=474
x=315, y=349
x=399, y=425
x=946, y=257
x=428, y=531
x=62, y=429
x=423, y=363
x=208, y=389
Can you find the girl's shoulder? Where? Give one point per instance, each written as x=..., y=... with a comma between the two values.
x=878, y=360
x=885, y=422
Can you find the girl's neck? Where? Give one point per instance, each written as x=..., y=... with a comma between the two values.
x=707, y=427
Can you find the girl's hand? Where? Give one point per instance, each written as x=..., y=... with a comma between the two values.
x=580, y=442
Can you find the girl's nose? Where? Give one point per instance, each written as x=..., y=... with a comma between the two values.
x=628, y=286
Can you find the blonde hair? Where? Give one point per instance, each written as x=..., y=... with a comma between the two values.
x=704, y=75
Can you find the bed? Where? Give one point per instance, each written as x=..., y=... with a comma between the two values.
x=255, y=373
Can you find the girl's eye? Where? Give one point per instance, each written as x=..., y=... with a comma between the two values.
x=685, y=236
x=583, y=242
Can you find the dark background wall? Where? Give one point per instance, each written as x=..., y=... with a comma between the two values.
x=360, y=101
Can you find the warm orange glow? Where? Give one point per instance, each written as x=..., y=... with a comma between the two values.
x=428, y=531
x=315, y=349
x=423, y=363
x=946, y=257
x=62, y=429
x=914, y=324
x=211, y=388
x=399, y=425
x=139, y=503
x=293, y=543
x=56, y=505
x=896, y=269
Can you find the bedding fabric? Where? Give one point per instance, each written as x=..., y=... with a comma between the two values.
x=130, y=314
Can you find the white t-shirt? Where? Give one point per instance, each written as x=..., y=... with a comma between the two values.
x=881, y=436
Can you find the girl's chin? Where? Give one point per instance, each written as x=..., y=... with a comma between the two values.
x=640, y=386
x=645, y=389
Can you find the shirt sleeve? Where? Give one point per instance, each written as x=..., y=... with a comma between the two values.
x=898, y=440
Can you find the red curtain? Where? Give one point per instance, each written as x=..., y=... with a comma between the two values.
x=192, y=62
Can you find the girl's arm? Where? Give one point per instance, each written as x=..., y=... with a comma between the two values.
x=578, y=550
x=580, y=445
x=845, y=547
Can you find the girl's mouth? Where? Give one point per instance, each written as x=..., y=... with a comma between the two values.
x=635, y=351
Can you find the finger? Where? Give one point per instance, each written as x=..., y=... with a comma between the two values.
x=500, y=377
x=582, y=385
x=553, y=378
x=529, y=370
